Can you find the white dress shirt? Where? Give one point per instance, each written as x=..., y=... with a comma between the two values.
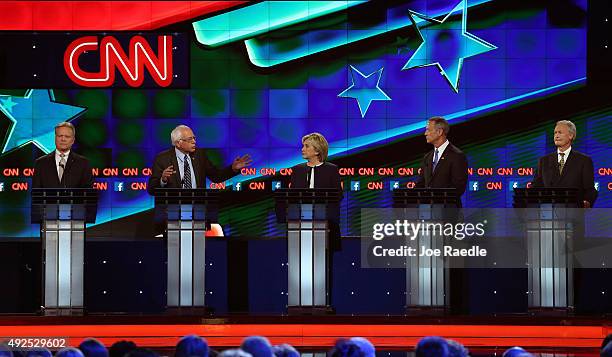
x=312, y=178
x=566, y=152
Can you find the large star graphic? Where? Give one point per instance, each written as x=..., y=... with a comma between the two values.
x=446, y=44
x=33, y=118
x=365, y=89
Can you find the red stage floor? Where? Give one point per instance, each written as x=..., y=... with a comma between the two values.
x=320, y=331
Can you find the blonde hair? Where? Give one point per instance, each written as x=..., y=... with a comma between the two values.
x=66, y=124
x=319, y=143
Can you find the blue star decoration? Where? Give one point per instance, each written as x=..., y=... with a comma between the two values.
x=446, y=44
x=365, y=89
x=33, y=118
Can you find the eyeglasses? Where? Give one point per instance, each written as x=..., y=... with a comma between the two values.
x=190, y=139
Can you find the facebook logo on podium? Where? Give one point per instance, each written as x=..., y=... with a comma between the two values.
x=276, y=185
x=355, y=186
x=596, y=186
x=473, y=185
x=393, y=185
x=1, y=186
x=237, y=186
x=119, y=186
x=514, y=184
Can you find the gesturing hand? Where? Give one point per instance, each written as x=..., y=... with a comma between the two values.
x=169, y=171
x=241, y=162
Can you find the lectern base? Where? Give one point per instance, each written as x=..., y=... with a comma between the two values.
x=310, y=310
x=188, y=311
x=426, y=311
x=551, y=311
x=62, y=311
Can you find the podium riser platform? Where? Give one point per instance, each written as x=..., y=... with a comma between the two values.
x=550, y=267
x=307, y=273
x=63, y=253
x=186, y=264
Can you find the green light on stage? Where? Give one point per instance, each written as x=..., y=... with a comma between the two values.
x=96, y=102
x=170, y=104
x=207, y=103
x=210, y=74
x=129, y=104
x=132, y=132
x=97, y=157
x=246, y=103
x=13, y=221
x=131, y=158
x=91, y=132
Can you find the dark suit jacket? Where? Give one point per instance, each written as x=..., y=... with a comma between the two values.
x=451, y=171
x=326, y=176
x=577, y=172
x=202, y=168
x=77, y=173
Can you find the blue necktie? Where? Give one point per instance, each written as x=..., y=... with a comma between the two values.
x=186, y=173
x=435, y=162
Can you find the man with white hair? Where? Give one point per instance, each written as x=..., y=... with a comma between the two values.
x=567, y=167
x=185, y=166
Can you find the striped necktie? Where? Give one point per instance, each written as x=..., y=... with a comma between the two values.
x=62, y=166
x=186, y=173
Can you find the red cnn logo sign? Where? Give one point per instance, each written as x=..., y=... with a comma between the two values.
x=113, y=57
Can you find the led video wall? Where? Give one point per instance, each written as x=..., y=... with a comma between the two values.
x=254, y=78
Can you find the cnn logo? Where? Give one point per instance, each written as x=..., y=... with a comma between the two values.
x=113, y=58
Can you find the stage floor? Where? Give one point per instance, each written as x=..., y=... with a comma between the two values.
x=315, y=332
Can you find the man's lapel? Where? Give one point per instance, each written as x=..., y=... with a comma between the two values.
x=428, y=167
x=554, y=167
x=441, y=160
x=51, y=166
x=175, y=166
x=569, y=163
x=195, y=162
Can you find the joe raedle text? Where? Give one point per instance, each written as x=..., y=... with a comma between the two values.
x=423, y=251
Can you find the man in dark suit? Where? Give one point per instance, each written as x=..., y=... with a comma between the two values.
x=185, y=166
x=567, y=167
x=62, y=168
x=445, y=166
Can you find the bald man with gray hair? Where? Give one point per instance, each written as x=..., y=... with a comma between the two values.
x=567, y=167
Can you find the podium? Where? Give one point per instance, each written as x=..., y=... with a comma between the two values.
x=187, y=213
x=307, y=214
x=62, y=214
x=427, y=278
x=551, y=218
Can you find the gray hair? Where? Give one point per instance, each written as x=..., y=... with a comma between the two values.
x=175, y=135
x=570, y=126
x=440, y=123
x=66, y=124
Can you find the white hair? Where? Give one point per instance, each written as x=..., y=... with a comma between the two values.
x=570, y=126
x=175, y=135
